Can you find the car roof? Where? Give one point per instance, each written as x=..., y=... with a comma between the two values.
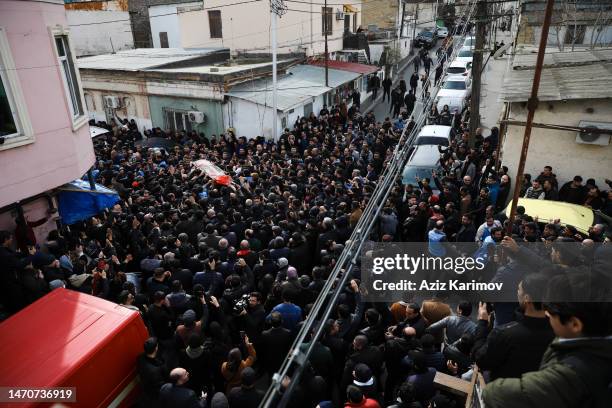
x=458, y=64
x=455, y=77
x=425, y=155
x=435, y=130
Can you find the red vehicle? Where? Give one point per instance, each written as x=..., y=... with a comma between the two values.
x=70, y=339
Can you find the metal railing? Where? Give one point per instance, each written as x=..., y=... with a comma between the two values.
x=326, y=301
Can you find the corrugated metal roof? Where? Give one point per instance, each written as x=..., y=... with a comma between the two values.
x=348, y=66
x=301, y=85
x=143, y=58
x=317, y=75
x=557, y=84
x=551, y=59
x=582, y=74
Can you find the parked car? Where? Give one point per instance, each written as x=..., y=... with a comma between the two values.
x=465, y=54
x=423, y=160
x=442, y=32
x=470, y=42
x=435, y=135
x=454, y=92
x=459, y=68
x=425, y=39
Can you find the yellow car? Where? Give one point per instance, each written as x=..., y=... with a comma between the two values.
x=547, y=211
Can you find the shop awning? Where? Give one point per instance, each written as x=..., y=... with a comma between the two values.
x=78, y=202
x=347, y=8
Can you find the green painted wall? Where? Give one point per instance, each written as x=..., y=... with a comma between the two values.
x=212, y=109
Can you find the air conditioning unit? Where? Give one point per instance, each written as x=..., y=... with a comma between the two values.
x=197, y=117
x=599, y=139
x=339, y=15
x=113, y=102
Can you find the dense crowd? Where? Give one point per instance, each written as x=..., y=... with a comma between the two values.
x=224, y=274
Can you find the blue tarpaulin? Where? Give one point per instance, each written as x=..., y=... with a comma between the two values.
x=78, y=202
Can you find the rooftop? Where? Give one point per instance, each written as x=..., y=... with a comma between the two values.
x=301, y=84
x=565, y=76
x=347, y=66
x=145, y=58
x=216, y=69
x=554, y=58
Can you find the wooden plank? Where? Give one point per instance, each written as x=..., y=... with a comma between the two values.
x=452, y=384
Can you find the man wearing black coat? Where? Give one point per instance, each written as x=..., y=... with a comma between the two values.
x=386, y=83
x=362, y=352
x=467, y=231
x=274, y=344
x=414, y=82
x=245, y=396
x=515, y=348
x=410, y=100
x=152, y=372
x=176, y=394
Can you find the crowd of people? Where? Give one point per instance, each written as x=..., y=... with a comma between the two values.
x=224, y=274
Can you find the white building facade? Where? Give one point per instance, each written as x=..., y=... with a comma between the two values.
x=245, y=28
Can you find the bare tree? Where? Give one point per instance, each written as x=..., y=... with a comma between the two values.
x=601, y=24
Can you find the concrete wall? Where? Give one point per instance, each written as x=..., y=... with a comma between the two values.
x=252, y=120
x=100, y=32
x=32, y=211
x=383, y=14
x=60, y=151
x=212, y=109
x=245, y=28
x=164, y=18
x=559, y=148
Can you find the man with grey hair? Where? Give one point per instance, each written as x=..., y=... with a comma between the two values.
x=176, y=394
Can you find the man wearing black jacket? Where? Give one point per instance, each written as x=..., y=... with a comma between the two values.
x=515, y=348
x=152, y=372
x=274, y=344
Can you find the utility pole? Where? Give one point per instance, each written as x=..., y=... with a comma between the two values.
x=277, y=9
x=326, y=50
x=481, y=25
x=401, y=28
x=532, y=105
x=416, y=17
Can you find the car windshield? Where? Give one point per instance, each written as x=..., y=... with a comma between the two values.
x=454, y=85
x=465, y=53
x=431, y=140
x=456, y=70
x=426, y=34
x=411, y=172
x=469, y=42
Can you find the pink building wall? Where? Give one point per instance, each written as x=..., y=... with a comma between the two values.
x=58, y=154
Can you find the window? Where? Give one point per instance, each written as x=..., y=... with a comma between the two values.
x=327, y=20
x=177, y=120
x=456, y=85
x=214, y=22
x=163, y=39
x=347, y=22
x=69, y=75
x=307, y=109
x=575, y=34
x=8, y=119
x=15, y=126
x=355, y=23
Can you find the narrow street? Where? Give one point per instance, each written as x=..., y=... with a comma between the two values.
x=382, y=109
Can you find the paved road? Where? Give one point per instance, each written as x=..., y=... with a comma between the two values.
x=382, y=109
